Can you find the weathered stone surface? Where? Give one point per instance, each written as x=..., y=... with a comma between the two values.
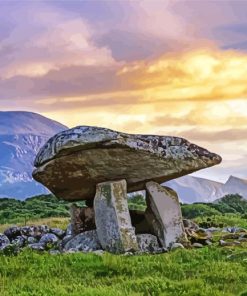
x=13, y=232
x=147, y=243
x=82, y=219
x=4, y=241
x=164, y=214
x=175, y=246
x=48, y=238
x=37, y=247
x=86, y=242
x=112, y=218
x=58, y=232
x=73, y=162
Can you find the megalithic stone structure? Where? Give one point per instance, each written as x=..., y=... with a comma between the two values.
x=112, y=218
x=164, y=214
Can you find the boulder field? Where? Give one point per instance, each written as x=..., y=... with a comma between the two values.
x=101, y=166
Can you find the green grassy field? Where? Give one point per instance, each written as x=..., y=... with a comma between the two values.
x=201, y=272
x=192, y=272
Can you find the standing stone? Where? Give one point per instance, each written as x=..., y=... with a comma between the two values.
x=164, y=214
x=112, y=218
x=82, y=219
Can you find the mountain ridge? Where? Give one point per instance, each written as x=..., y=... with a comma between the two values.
x=22, y=134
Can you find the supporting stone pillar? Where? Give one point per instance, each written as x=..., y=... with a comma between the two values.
x=82, y=219
x=164, y=214
x=112, y=218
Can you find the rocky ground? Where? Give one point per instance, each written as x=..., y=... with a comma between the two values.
x=55, y=241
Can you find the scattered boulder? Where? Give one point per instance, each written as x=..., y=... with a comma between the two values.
x=190, y=224
x=4, y=241
x=58, y=232
x=13, y=232
x=147, y=243
x=74, y=161
x=37, y=247
x=31, y=240
x=175, y=246
x=164, y=214
x=223, y=243
x=112, y=218
x=200, y=235
x=197, y=245
x=19, y=241
x=86, y=242
x=48, y=239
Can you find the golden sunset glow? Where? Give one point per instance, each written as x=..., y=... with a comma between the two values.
x=153, y=67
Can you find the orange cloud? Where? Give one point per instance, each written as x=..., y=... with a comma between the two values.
x=201, y=74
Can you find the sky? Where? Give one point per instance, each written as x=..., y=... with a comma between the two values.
x=170, y=67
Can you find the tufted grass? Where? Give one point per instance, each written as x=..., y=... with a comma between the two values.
x=197, y=272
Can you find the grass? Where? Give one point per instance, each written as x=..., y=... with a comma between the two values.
x=202, y=272
x=225, y=220
x=60, y=222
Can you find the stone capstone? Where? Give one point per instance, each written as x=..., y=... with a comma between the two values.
x=86, y=241
x=112, y=218
x=74, y=161
x=164, y=214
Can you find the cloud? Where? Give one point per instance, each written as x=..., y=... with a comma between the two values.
x=50, y=41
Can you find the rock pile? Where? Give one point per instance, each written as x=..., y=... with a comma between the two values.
x=101, y=166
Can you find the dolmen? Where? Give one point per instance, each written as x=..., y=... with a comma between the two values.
x=101, y=166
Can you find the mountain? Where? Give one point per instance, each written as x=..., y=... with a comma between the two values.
x=21, y=136
x=192, y=189
x=236, y=185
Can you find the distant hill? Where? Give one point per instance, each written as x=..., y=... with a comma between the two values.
x=21, y=136
x=192, y=189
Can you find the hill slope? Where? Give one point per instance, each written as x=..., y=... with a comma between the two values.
x=21, y=136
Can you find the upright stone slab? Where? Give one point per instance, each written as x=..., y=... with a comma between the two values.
x=112, y=218
x=164, y=214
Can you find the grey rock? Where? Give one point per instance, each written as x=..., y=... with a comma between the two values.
x=208, y=242
x=19, y=241
x=112, y=218
x=69, y=230
x=35, y=231
x=4, y=241
x=48, y=238
x=147, y=243
x=37, y=247
x=90, y=155
x=58, y=232
x=190, y=224
x=86, y=241
x=164, y=214
x=223, y=243
x=54, y=252
x=197, y=245
x=64, y=241
x=12, y=232
x=177, y=246
x=31, y=240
